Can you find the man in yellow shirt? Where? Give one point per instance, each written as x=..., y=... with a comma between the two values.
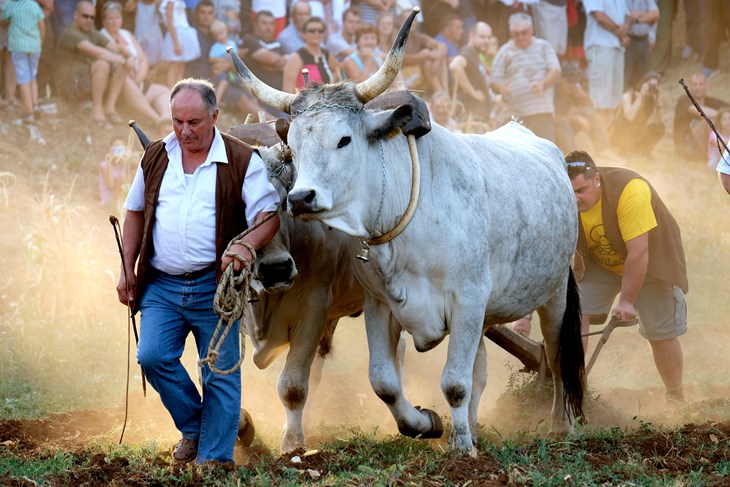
x=631, y=247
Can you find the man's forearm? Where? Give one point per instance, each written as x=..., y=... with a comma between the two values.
x=635, y=269
x=132, y=238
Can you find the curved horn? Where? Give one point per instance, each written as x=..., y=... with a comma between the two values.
x=272, y=97
x=384, y=77
x=143, y=139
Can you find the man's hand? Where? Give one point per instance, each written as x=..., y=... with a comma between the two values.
x=624, y=310
x=235, y=254
x=127, y=298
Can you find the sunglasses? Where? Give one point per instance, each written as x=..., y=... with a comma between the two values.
x=579, y=167
x=88, y=17
x=315, y=31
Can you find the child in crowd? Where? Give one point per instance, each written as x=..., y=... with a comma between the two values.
x=181, y=40
x=714, y=148
x=25, y=35
x=219, y=31
x=114, y=172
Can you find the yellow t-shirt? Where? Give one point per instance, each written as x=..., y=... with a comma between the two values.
x=635, y=217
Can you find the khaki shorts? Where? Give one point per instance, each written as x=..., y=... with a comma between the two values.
x=661, y=306
x=77, y=87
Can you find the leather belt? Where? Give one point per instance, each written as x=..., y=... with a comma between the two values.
x=189, y=276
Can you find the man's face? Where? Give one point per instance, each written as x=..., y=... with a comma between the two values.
x=522, y=35
x=301, y=13
x=699, y=85
x=587, y=190
x=454, y=31
x=84, y=16
x=481, y=37
x=264, y=28
x=351, y=23
x=205, y=15
x=190, y=120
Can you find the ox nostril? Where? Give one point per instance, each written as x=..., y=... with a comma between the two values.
x=302, y=202
x=273, y=273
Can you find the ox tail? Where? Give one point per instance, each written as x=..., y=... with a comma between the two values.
x=570, y=352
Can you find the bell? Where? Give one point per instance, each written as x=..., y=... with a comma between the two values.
x=364, y=251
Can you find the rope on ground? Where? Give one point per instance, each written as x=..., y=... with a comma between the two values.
x=231, y=297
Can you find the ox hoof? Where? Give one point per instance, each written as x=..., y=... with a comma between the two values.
x=246, y=430
x=437, y=427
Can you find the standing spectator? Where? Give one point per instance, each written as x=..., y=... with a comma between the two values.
x=695, y=28
x=723, y=171
x=6, y=62
x=471, y=75
x=576, y=29
x=291, y=37
x=643, y=15
x=343, y=43
x=181, y=41
x=631, y=246
x=551, y=23
x=690, y=130
x=143, y=97
x=370, y=10
x=661, y=53
x=452, y=30
x=265, y=56
x=606, y=36
x=229, y=12
x=277, y=8
x=714, y=148
x=718, y=16
x=194, y=191
x=524, y=72
x=147, y=31
x=363, y=63
x=574, y=112
x=25, y=35
x=200, y=67
x=638, y=126
x=89, y=64
x=312, y=56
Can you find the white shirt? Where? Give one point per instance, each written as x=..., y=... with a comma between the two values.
x=595, y=34
x=724, y=165
x=184, y=230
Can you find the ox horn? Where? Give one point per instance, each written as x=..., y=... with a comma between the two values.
x=272, y=97
x=384, y=77
x=143, y=139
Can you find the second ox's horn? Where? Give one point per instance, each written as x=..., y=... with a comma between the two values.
x=272, y=97
x=384, y=77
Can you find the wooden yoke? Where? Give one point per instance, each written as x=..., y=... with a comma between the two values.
x=420, y=125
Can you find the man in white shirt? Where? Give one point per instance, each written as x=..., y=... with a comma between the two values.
x=194, y=191
x=291, y=37
x=723, y=171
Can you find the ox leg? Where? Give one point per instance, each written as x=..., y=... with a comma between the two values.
x=456, y=379
x=384, y=337
x=293, y=385
x=479, y=383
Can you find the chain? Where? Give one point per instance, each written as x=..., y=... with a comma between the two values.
x=364, y=242
x=326, y=106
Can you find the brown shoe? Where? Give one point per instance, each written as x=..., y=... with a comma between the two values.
x=185, y=451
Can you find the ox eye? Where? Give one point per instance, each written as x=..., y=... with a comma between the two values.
x=343, y=142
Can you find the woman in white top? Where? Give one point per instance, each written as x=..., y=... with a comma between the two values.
x=181, y=41
x=150, y=100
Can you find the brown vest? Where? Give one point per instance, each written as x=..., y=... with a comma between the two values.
x=230, y=216
x=666, y=255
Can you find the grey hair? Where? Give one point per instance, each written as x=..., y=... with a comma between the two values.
x=293, y=7
x=202, y=86
x=519, y=18
x=112, y=7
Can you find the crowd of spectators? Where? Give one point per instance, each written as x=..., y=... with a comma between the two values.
x=559, y=66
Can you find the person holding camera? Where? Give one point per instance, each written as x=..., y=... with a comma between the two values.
x=637, y=127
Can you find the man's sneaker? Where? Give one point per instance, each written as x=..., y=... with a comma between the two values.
x=185, y=451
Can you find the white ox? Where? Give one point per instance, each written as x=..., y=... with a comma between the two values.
x=491, y=238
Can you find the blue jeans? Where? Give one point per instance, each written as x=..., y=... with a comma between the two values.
x=171, y=308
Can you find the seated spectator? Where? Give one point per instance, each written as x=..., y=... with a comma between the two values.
x=363, y=63
x=638, y=126
x=471, y=75
x=291, y=37
x=201, y=66
x=312, y=56
x=114, y=173
x=88, y=64
x=524, y=72
x=452, y=30
x=441, y=111
x=264, y=55
x=343, y=43
x=574, y=113
x=714, y=148
x=181, y=41
x=218, y=51
x=150, y=100
x=690, y=130
x=277, y=8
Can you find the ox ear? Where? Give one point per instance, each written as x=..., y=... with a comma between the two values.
x=389, y=124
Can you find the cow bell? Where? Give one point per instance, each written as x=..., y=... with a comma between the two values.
x=364, y=251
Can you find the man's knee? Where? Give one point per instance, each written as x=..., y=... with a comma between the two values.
x=100, y=66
